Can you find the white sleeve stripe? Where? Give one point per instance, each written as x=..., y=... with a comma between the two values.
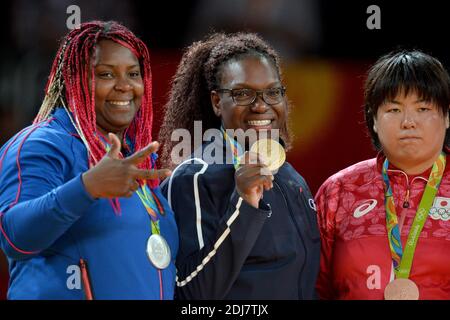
x=215, y=248
x=198, y=209
x=235, y=214
x=198, y=212
x=222, y=238
x=169, y=188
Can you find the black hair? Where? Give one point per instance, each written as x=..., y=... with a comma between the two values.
x=405, y=71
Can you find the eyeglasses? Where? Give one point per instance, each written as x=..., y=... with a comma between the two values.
x=245, y=96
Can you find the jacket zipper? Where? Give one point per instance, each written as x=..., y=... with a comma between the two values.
x=299, y=234
x=408, y=189
x=408, y=186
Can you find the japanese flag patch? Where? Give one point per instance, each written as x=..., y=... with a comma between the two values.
x=440, y=209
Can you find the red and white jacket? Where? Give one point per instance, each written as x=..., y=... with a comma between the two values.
x=356, y=260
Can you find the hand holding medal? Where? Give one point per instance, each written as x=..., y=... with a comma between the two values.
x=252, y=177
x=256, y=169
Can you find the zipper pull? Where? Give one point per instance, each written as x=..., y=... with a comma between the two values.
x=406, y=201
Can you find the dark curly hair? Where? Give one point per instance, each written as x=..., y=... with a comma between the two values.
x=405, y=71
x=198, y=74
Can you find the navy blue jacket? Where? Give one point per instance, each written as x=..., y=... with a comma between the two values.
x=231, y=250
x=49, y=221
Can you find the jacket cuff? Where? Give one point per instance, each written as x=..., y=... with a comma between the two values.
x=263, y=209
x=72, y=197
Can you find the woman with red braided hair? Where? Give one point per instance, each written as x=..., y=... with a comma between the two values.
x=81, y=212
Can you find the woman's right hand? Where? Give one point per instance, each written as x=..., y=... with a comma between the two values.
x=114, y=177
x=252, y=178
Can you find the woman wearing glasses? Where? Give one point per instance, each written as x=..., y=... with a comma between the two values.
x=246, y=231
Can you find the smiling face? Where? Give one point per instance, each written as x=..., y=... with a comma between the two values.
x=252, y=72
x=118, y=87
x=411, y=132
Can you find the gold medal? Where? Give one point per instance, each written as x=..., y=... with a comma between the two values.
x=158, y=251
x=401, y=289
x=272, y=151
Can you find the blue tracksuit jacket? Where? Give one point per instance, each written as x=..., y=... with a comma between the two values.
x=49, y=222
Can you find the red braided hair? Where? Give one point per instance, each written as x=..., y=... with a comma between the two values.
x=72, y=72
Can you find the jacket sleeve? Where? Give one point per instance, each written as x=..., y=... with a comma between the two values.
x=312, y=231
x=37, y=202
x=216, y=236
x=326, y=201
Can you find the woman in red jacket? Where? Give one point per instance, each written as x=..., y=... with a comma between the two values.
x=385, y=222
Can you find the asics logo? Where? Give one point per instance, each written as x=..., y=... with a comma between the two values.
x=365, y=208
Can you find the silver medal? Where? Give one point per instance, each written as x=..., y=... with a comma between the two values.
x=158, y=251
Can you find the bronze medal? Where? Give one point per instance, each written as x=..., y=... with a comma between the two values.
x=401, y=289
x=158, y=251
x=272, y=151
